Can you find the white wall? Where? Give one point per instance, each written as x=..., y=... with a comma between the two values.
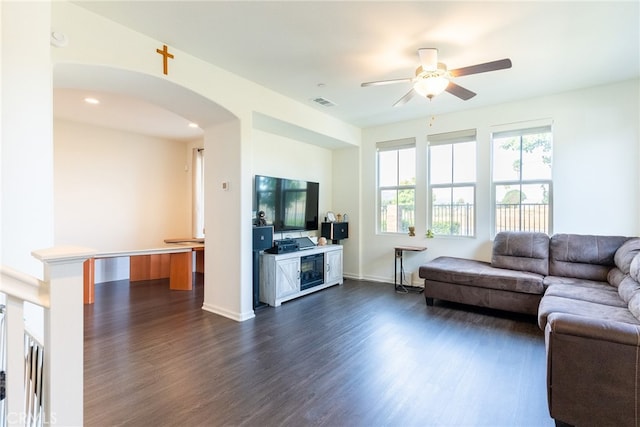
x=596, y=153
x=278, y=156
x=117, y=191
x=25, y=141
x=228, y=291
x=347, y=199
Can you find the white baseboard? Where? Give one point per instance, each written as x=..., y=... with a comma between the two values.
x=238, y=317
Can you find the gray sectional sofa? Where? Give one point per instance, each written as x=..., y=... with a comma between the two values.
x=585, y=291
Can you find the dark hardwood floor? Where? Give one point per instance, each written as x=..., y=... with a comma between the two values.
x=352, y=355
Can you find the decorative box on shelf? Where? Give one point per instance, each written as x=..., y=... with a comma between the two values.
x=335, y=231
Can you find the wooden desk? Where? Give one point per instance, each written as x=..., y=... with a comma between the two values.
x=399, y=255
x=199, y=250
x=173, y=261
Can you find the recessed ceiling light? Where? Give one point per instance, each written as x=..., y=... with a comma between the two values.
x=193, y=125
x=92, y=101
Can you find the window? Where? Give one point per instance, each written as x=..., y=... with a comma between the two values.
x=396, y=185
x=452, y=183
x=522, y=186
x=197, y=188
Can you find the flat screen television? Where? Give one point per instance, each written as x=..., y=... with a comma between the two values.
x=288, y=204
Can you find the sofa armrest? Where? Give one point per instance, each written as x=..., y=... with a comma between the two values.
x=599, y=329
x=592, y=371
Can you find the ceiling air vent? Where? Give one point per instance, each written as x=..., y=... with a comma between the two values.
x=324, y=101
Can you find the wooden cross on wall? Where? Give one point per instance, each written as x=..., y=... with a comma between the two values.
x=165, y=58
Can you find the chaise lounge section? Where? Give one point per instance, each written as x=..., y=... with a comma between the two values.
x=512, y=281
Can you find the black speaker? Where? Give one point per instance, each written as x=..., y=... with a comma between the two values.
x=335, y=230
x=262, y=238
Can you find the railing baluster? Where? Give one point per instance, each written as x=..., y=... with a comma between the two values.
x=15, y=361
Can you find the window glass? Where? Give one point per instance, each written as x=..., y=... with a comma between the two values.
x=452, y=183
x=464, y=159
x=396, y=188
x=388, y=168
x=407, y=167
x=522, y=180
x=441, y=164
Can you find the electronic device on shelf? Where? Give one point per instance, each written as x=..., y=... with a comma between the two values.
x=304, y=243
x=283, y=246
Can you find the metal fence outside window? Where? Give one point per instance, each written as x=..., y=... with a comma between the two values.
x=453, y=219
x=458, y=219
x=522, y=217
x=396, y=218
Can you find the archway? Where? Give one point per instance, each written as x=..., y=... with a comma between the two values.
x=221, y=132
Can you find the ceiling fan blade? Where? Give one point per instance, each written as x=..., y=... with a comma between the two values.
x=407, y=96
x=386, y=82
x=459, y=91
x=428, y=58
x=500, y=64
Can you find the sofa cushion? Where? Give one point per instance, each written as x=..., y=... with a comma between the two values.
x=556, y=304
x=522, y=251
x=598, y=292
x=550, y=281
x=625, y=254
x=615, y=276
x=634, y=304
x=481, y=274
x=627, y=288
x=634, y=268
x=583, y=256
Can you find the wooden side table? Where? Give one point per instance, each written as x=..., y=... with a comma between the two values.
x=399, y=255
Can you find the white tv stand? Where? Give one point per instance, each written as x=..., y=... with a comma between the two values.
x=281, y=275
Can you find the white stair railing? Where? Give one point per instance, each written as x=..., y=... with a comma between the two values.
x=50, y=391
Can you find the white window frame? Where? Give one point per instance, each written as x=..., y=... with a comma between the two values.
x=452, y=138
x=197, y=193
x=521, y=130
x=395, y=145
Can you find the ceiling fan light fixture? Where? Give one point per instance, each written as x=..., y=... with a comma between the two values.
x=432, y=78
x=431, y=83
x=431, y=86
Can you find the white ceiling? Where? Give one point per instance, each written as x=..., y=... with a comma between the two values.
x=326, y=49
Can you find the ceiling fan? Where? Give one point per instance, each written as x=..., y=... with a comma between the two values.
x=432, y=77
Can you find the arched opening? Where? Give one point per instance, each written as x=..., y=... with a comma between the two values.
x=136, y=92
